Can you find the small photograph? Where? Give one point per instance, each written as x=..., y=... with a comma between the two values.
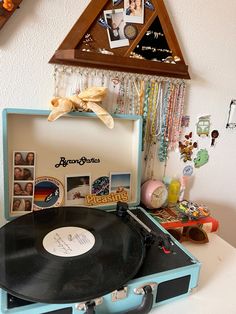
x=115, y=31
x=24, y=158
x=23, y=188
x=23, y=173
x=77, y=187
x=134, y=11
x=120, y=182
x=21, y=204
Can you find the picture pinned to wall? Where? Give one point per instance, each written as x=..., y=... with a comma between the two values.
x=134, y=11
x=23, y=181
x=120, y=182
x=115, y=30
x=185, y=121
x=231, y=121
x=77, y=187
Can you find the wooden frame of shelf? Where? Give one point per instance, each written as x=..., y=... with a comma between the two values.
x=70, y=52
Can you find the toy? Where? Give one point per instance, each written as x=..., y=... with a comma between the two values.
x=192, y=210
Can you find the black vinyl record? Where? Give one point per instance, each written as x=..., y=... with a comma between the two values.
x=68, y=254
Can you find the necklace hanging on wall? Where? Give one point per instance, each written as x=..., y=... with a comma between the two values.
x=159, y=100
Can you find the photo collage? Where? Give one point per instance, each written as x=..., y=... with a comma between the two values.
x=30, y=193
x=78, y=187
x=23, y=182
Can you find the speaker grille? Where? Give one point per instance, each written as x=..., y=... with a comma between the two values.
x=172, y=288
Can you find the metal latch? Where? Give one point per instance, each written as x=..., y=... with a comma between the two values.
x=140, y=290
x=83, y=306
x=119, y=294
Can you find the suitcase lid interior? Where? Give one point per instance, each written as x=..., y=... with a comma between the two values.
x=77, y=145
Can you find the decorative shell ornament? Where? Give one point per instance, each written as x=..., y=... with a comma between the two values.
x=86, y=100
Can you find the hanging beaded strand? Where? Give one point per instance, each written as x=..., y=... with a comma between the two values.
x=159, y=100
x=163, y=150
x=145, y=111
x=154, y=113
x=170, y=113
x=176, y=132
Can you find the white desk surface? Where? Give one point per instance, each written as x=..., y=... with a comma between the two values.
x=216, y=291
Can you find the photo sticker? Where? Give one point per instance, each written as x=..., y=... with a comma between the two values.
x=23, y=181
x=77, y=187
x=21, y=204
x=22, y=158
x=120, y=182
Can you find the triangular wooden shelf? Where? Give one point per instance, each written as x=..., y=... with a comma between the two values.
x=70, y=51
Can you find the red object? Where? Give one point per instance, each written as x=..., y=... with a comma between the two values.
x=169, y=219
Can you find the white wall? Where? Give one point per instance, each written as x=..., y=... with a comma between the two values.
x=206, y=31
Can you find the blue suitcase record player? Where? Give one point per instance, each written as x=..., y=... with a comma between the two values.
x=73, y=253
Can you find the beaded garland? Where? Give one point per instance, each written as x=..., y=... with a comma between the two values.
x=159, y=100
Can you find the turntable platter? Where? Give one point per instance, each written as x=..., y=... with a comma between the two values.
x=68, y=254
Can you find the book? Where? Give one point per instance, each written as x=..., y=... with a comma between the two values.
x=170, y=218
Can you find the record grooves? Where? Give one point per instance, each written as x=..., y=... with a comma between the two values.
x=40, y=260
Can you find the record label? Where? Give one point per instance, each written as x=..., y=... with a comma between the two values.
x=68, y=241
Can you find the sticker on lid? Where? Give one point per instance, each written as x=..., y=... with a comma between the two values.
x=49, y=192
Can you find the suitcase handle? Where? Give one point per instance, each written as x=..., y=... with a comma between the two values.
x=146, y=305
x=144, y=308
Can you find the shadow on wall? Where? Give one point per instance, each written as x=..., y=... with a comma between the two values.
x=19, y=17
x=227, y=220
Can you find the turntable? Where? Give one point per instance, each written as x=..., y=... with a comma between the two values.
x=112, y=258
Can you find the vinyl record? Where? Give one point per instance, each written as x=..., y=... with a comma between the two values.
x=68, y=254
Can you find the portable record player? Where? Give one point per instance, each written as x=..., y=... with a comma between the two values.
x=125, y=261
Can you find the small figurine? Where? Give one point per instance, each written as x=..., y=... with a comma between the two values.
x=8, y=5
x=192, y=210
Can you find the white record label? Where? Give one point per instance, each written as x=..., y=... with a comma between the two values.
x=68, y=241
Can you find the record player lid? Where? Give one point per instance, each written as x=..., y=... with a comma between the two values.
x=68, y=254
